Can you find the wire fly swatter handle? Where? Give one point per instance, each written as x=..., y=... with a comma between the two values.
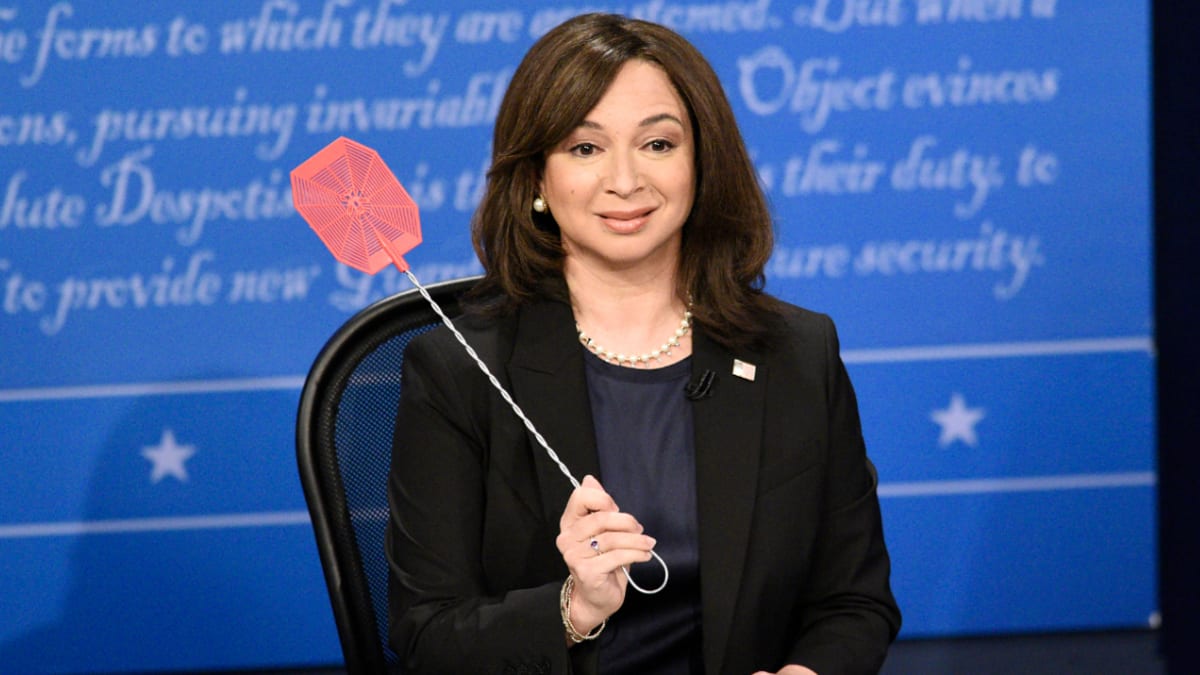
x=521, y=414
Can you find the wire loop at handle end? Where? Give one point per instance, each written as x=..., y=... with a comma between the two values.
x=639, y=589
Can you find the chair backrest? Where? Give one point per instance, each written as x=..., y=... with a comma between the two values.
x=343, y=446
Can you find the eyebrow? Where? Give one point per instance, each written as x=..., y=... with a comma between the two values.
x=649, y=121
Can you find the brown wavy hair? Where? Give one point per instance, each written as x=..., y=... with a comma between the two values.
x=727, y=238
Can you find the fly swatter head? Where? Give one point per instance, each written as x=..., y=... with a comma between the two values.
x=357, y=207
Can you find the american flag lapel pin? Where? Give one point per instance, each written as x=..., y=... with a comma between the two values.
x=743, y=370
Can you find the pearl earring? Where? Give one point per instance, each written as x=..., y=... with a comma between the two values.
x=539, y=205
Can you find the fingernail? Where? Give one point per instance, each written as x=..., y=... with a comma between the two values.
x=653, y=542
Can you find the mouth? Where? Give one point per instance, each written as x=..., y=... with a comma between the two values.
x=626, y=221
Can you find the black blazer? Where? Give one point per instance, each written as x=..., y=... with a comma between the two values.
x=793, y=565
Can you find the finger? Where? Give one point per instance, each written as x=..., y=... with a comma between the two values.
x=605, y=568
x=584, y=542
x=589, y=527
x=602, y=556
x=613, y=541
x=589, y=497
x=605, y=521
x=595, y=496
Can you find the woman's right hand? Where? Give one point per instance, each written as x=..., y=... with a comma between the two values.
x=590, y=516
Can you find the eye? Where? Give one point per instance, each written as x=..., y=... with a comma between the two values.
x=660, y=145
x=584, y=150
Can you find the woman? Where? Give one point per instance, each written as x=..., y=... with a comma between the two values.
x=624, y=236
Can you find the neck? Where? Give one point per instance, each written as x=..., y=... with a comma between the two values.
x=628, y=315
x=621, y=300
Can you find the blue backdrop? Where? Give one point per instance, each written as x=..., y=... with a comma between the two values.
x=963, y=184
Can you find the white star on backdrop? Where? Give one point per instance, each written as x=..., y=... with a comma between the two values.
x=168, y=458
x=958, y=421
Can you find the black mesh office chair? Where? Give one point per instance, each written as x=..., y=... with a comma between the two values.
x=344, y=446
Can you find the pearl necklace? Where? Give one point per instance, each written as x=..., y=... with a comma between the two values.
x=636, y=360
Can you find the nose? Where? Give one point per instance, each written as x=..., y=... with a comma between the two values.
x=625, y=176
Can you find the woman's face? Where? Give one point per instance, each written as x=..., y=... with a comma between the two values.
x=621, y=184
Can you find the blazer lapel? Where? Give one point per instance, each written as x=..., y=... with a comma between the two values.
x=728, y=428
x=547, y=376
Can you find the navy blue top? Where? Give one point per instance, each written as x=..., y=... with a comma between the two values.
x=644, y=437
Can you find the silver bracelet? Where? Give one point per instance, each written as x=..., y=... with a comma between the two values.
x=564, y=605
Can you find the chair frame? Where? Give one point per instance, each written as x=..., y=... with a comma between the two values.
x=349, y=592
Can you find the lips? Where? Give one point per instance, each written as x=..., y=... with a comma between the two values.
x=626, y=221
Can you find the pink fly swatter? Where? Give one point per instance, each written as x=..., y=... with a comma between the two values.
x=366, y=218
